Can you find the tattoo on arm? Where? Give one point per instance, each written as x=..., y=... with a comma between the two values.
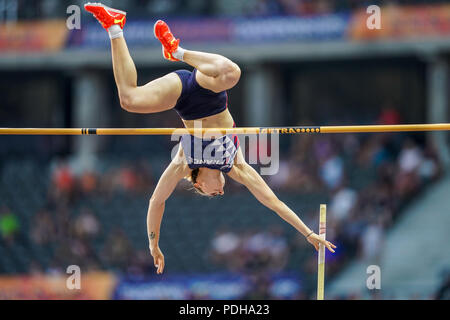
x=152, y=235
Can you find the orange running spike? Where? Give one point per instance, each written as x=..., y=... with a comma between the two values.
x=107, y=16
x=169, y=42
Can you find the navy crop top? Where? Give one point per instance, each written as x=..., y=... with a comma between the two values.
x=211, y=153
x=196, y=102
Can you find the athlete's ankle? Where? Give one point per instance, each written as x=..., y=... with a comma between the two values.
x=179, y=54
x=115, y=31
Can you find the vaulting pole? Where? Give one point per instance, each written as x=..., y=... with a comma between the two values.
x=321, y=255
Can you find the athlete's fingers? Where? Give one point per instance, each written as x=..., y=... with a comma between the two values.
x=160, y=265
x=328, y=244
x=329, y=247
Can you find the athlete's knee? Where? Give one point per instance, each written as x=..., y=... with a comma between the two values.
x=127, y=100
x=230, y=72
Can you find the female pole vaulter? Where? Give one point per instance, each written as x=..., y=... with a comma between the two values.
x=200, y=95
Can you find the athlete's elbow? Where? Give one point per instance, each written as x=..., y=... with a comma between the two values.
x=156, y=201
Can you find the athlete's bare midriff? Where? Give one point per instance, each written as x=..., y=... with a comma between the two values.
x=220, y=120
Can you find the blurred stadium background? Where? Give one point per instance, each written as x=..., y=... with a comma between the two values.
x=83, y=200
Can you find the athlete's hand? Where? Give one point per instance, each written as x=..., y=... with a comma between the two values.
x=315, y=240
x=158, y=259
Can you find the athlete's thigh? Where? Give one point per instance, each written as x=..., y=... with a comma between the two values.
x=160, y=94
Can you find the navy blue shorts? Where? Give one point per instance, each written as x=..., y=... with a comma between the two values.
x=196, y=102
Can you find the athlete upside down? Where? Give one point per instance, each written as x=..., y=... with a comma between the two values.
x=199, y=95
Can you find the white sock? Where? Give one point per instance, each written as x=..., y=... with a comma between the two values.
x=179, y=54
x=115, y=31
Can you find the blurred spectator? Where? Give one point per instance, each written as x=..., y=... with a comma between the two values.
x=253, y=250
x=63, y=181
x=88, y=182
x=430, y=167
x=43, y=231
x=342, y=202
x=223, y=245
x=410, y=157
x=9, y=225
x=75, y=251
x=278, y=249
x=389, y=116
x=63, y=178
x=259, y=287
x=117, y=251
x=409, y=161
x=372, y=241
x=127, y=179
x=332, y=172
x=86, y=225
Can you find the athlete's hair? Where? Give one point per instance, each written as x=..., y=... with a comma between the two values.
x=192, y=177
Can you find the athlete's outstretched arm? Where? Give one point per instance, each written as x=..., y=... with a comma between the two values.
x=246, y=175
x=166, y=184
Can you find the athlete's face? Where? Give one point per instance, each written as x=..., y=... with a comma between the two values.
x=210, y=182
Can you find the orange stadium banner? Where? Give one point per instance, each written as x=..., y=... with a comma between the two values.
x=35, y=36
x=94, y=286
x=404, y=22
